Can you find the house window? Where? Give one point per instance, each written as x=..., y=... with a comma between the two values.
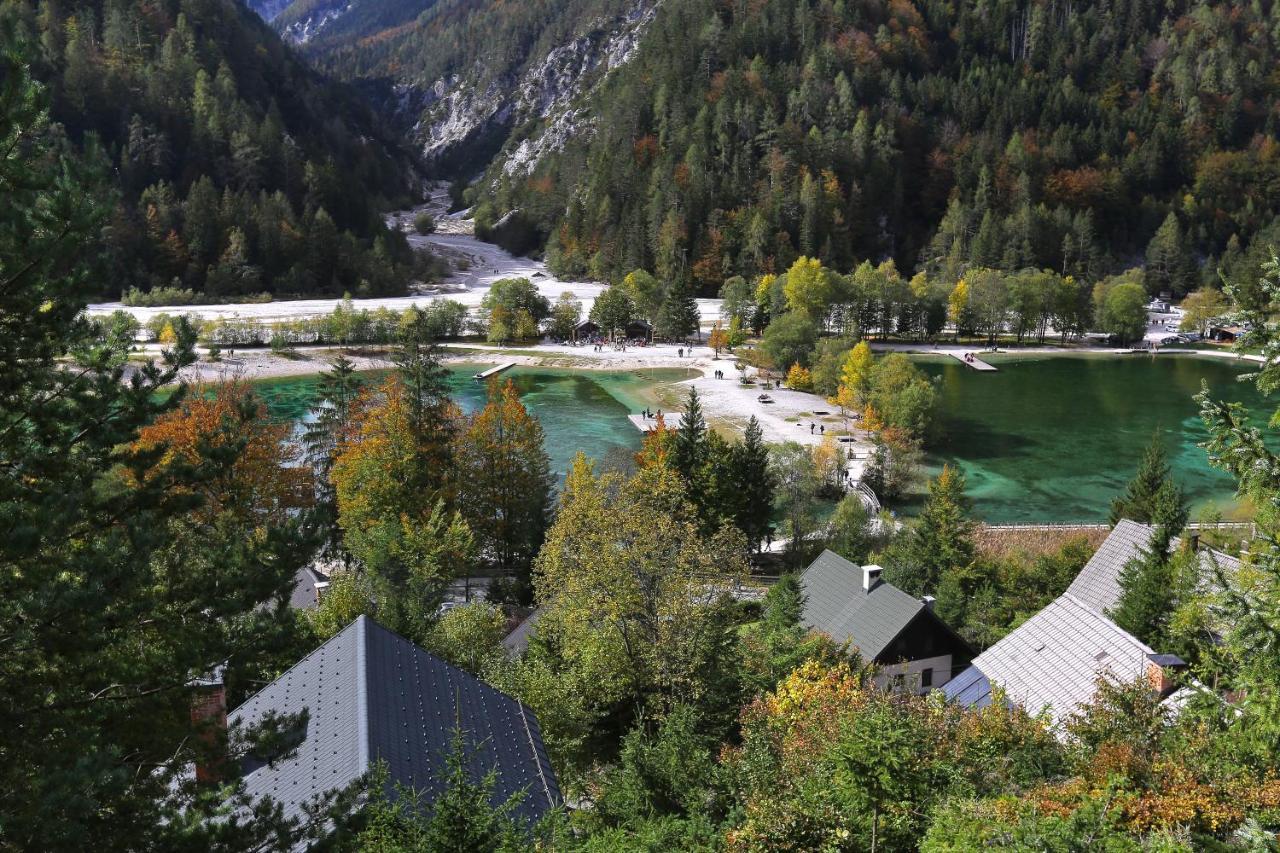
x=926, y=679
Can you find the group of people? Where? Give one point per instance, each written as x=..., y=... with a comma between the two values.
x=648, y=415
x=719, y=374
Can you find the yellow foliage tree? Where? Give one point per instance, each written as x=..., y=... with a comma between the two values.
x=808, y=287
x=799, y=378
x=855, y=375
x=627, y=584
x=718, y=339
x=958, y=304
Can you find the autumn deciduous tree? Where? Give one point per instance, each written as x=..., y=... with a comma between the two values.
x=393, y=507
x=1202, y=308
x=808, y=287
x=263, y=485
x=504, y=484
x=718, y=339
x=855, y=378
x=628, y=584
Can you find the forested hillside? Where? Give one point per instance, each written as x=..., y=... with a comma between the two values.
x=1083, y=137
x=240, y=171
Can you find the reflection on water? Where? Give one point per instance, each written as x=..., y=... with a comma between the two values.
x=580, y=410
x=1055, y=438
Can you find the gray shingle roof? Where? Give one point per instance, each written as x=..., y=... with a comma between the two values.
x=1098, y=584
x=836, y=604
x=374, y=696
x=517, y=642
x=1053, y=661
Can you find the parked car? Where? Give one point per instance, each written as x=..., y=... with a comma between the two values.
x=1172, y=339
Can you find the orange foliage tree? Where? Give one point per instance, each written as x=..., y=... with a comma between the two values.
x=263, y=484
x=504, y=481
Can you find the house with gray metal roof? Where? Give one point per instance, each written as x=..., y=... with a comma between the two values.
x=1098, y=584
x=516, y=643
x=854, y=604
x=372, y=696
x=309, y=583
x=1052, y=663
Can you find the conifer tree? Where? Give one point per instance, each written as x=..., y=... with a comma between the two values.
x=678, y=317
x=336, y=394
x=1149, y=583
x=754, y=484
x=689, y=453
x=119, y=585
x=1152, y=497
x=940, y=540
x=504, y=485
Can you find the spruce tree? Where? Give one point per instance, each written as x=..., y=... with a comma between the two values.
x=1149, y=584
x=1143, y=500
x=784, y=603
x=678, y=316
x=119, y=584
x=940, y=541
x=335, y=395
x=754, y=483
x=689, y=453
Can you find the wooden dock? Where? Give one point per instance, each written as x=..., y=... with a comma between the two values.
x=973, y=361
x=494, y=371
x=640, y=422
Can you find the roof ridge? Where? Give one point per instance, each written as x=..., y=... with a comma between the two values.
x=362, y=693
x=1092, y=611
x=308, y=656
x=533, y=748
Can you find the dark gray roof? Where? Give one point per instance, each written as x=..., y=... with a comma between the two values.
x=517, y=642
x=970, y=688
x=1098, y=584
x=1053, y=661
x=836, y=604
x=306, y=592
x=374, y=696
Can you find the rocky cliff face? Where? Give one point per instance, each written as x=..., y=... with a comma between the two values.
x=537, y=104
x=267, y=10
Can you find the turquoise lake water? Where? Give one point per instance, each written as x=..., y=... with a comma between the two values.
x=1056, y=437
x=1046, y=438
x=580, y=410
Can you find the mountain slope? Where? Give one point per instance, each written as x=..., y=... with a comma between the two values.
x=239, y=169
x=743, y=133
x=468, y=77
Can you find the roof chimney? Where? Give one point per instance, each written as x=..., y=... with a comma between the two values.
x=209, y=719
x=1160, y=672
x=927, y=601
x=870, y=577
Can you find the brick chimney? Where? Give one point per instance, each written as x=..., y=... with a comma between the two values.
x=870, y=577
x=209, y=719
x=1160, y=672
